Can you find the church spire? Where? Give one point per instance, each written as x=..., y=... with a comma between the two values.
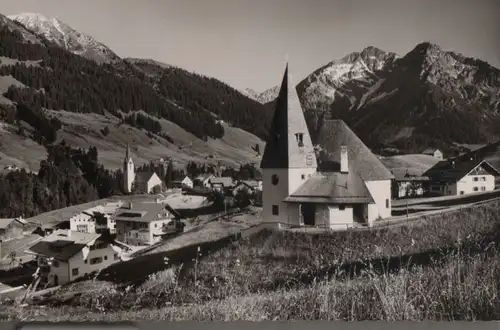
x=288, y=143
x=127, y=153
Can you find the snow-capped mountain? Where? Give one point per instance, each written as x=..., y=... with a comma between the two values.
x=250, y=93
x=65, y=36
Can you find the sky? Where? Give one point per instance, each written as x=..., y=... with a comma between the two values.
x=245, y=43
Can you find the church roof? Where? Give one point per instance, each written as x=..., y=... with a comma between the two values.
x=332, y=187
x=143, y=176
x=334, y=133
x=284, y=148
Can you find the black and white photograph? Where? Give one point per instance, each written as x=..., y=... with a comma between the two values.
x=249, y=160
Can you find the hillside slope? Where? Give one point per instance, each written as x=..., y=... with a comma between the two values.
x=181, y=114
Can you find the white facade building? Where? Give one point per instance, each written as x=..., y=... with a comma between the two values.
x=335, y=183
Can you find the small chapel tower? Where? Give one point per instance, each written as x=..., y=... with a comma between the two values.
x=128, y=171
x=289, y=158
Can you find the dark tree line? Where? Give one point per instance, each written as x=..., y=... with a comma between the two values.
x=65, y=81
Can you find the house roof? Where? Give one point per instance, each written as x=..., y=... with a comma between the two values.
x=332, y=187
x=226, y=181
x=143, y=176
x=430, y=150
x=203, y=177
x=413, y=178
x=144, y=212
x=250, y=183
x=282, y=148
x=5, y=222
x=331, y=135
x=453, y=170
x=63, y=244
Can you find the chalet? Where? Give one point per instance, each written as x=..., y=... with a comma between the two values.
x=408, y=184
x=250, y=186
x=144, y=223
x=436, y=153
x=11, y=228
x=203, y=180
x=336, y=183
x=65, y=255
x=221, y=184
x=95, y=219
x=185, y=182
x=459, y=177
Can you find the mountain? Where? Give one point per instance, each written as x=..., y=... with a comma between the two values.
x=64, y=36
x=429, y=97
x=50, y=93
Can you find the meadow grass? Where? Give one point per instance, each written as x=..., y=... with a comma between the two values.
x=446, y=268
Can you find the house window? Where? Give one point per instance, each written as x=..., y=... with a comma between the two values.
x=105, y=257
x=274, y=179
x=55, y=263
x=85, y=261
x=387, y=202
x=74, y=272
x=303, y=176
x=276, y=210
x=156, y=225
x=476, y=188
x=483, y=178
x=476, y=178
x=96, y=260
x=341, y=207
x=300, y=139
x=461, y=192
x=483, y=188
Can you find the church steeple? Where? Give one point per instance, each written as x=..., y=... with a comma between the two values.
x=288, y=144
x=127, y=154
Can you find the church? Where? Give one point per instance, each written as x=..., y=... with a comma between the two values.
x=140, y=182
x=335, y=182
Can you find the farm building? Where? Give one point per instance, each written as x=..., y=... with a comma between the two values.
x=145, y=223
x=436, y=153
x=185, y=182
x=66, y=255
x=203, y=180
x=222, y=184
x=250, y=186
x=11, y=228
x=410, y=186
x=338, y=184
x=459, y=177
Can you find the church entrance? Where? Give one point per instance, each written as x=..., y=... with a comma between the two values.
x=308, y=214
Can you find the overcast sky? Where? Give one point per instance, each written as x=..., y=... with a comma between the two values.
x=245, y=42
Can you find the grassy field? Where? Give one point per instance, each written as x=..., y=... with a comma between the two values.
x=84, y=130
x=446, y=268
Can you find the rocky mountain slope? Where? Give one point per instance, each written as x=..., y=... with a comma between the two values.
x=65, y=36
x=429, y=97
x=167, y=111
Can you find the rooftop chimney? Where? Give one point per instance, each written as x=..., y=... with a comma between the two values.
x=344, y=161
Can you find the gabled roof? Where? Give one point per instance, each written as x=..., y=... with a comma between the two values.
x=144, y=212
x=430, y=150
x=226, y=181
x=334, y=133
x=250, y=183
x=63, y=244
x=143, y=176
x=332, y=187
x=5, y=222
x=453, y=170
x=203, y=177
x=282, y=147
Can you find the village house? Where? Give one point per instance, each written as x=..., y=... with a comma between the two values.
x=222, y=184
x=185, y=182
x=141, y=182
x=407, y=184
x=203, y=180
x=11, y=228
x=461, y=176
x=144, y=223
x=65, y=255
x=250, y=186
x=436, y=153
x=338, y=184
x=95, y=219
